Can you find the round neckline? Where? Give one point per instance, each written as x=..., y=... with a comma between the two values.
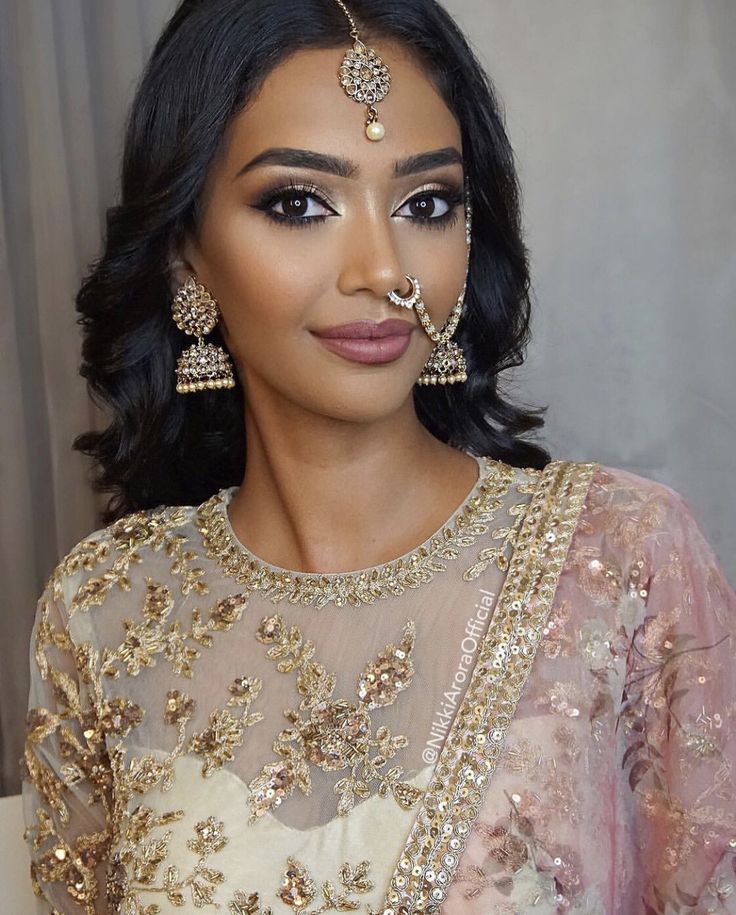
x=471, y=519
x=226, y=494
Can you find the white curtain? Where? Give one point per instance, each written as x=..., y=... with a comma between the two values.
x=623, y=116
x=67, y=72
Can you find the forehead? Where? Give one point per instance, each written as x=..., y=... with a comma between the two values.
x=302, y=104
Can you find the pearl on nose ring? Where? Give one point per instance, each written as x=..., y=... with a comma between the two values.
x=409, y=300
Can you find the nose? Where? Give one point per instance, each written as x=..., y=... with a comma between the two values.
x=371, y=260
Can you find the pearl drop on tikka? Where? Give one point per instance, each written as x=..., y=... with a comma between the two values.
x=375, y=130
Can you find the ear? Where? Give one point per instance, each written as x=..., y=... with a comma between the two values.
x=180, y=264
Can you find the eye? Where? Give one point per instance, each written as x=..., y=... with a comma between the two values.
x=433, y=208
x=295, y=205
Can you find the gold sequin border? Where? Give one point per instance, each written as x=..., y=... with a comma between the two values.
x=389, y=579
x=427, y=865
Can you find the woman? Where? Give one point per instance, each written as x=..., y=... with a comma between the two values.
x=394, y=660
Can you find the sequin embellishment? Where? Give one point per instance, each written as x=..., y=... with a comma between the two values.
x=298, y=888
x=427, y=865
x=334, y=734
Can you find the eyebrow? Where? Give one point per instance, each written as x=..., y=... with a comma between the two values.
x=344, y=168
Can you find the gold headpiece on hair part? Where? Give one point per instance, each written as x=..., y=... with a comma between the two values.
x=364, y=78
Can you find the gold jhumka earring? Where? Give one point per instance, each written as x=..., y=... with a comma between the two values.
x=364, y=78
x=202, y=365
x=446, y=363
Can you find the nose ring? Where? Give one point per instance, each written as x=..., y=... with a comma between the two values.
x=409, y=300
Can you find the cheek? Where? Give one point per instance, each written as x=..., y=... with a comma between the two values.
x=265, y=299
x=442, y=273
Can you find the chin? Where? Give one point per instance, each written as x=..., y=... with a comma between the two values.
x=361, y=400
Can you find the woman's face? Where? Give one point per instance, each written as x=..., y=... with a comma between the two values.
x=290, y=251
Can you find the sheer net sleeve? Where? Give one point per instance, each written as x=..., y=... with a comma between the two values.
x=678, y=722
x=66, y=770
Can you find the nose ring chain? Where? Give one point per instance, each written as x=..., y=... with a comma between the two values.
x=446, y=363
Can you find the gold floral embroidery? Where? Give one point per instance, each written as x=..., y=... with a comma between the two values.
x=80, y=721
x=369, y=585
x=77, y=720
x=468, y=759
x=627, y=523
x=557, y=641
x=546, y=787
x=153, y=529
x=68, y=864
x=247, y=904
x=225, y=732
x=215, y=744
x=134, y=872
x=147, y=639
x=134, y=869
x=298, y=889
x=497, y=554
x=337, y=734
x=599, y=579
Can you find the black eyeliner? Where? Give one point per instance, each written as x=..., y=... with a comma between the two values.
x=452, y=196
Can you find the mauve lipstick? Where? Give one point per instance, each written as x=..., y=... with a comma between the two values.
x=368, y=342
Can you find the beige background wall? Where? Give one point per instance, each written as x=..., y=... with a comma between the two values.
x=623, y=115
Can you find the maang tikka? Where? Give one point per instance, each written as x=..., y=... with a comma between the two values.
x=446, y=363
x=202, y=365
x=364, y=78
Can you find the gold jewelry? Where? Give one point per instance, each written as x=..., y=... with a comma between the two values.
x=411, y=298
x=202, y=365
x=446, y=363
x=364, y=78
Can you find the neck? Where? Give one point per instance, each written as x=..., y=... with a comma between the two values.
x=324, y=495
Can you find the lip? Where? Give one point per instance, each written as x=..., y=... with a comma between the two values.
x=368, y=342
x=366, y=330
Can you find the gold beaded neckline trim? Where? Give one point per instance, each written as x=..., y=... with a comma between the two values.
x=472, y=518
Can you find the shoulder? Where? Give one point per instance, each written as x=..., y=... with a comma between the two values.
x=598, y=488
x=103, y=558
x=614, y=482
x=626, y=510
x=637, y=533
x=641, y=496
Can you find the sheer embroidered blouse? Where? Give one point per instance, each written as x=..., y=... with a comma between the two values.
x=533, y=711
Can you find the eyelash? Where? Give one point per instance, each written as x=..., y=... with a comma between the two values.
x=453, y=197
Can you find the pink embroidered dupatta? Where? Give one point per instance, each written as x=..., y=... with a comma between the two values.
x=612, y=789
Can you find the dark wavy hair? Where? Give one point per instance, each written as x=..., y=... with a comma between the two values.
x=164, y=448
